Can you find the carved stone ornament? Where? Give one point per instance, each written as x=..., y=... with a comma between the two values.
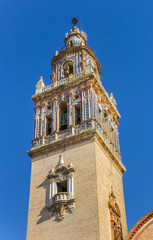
x=53, y=77
x=115, y=215
x=61, y=195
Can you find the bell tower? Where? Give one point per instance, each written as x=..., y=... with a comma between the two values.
x=76, y=189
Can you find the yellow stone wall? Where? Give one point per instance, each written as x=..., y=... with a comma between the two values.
x=93, y=177
x=147, y=234
x=108, y=174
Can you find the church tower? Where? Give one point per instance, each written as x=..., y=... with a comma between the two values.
x=76, y=189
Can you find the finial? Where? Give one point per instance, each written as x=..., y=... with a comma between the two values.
x=56, y=53
x=74, y=21
x=41, y=79
x=40, y=85
x=61, y=161
x=112, y=99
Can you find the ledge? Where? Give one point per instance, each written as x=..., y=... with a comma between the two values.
x=86, y=135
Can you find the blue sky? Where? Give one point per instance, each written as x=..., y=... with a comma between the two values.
x=121, y=34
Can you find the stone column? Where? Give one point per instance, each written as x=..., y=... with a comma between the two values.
x=70, y=119
x=70, y=185
x=54, y=124
x=89, y=87
x=52, y=190
x=103, y=119
x=82, y=89
x=37, y=121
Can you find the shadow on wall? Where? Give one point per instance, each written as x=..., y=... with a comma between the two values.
x=44, y=213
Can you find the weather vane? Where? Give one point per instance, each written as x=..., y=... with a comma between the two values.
x=74, y=21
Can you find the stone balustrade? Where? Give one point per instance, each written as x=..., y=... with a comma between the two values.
x=77, y=76
x=60, y=197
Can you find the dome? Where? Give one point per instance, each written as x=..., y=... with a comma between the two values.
x=75, y=38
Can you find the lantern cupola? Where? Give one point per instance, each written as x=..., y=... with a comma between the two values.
x=75, y=38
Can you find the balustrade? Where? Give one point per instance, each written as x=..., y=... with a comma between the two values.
x=61, y=196
x=87, y=71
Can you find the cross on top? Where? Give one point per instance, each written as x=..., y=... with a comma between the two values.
x=74, y=21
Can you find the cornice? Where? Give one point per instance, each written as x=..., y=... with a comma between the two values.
x=84, y=136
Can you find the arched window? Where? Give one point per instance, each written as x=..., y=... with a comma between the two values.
x=77, y=114
x=68, y=68
x=71, y=43
x=48, y=124
x=63, y=115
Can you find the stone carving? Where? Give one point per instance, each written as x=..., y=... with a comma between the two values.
x=40, y=85
x=61, y=196
x=83, y=62
x=115, y=215
x=53, y=77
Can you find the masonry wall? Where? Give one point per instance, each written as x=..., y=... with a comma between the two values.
x=147, y=234
x=108, y=174
x=82, y=224
x=94, y=175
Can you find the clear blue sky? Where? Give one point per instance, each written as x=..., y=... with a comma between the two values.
x=121, y=34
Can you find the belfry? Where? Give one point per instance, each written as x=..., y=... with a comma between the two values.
x=76, y=189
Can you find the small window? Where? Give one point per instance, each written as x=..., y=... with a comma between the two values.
x=62, y=187
x=48, y=125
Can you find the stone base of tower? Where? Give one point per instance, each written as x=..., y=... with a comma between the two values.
x=94, y=174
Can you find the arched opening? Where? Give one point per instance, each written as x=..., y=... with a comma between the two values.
x=62, y=186
x=68, y=68
x=63, y=115
x=71, y=43
x=48, y=124
x=77, y=114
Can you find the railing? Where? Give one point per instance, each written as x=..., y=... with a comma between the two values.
x=61, y=196
x=78, y=76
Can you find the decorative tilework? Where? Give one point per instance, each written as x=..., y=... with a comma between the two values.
x=70, y=131
x=89, y=124
x=83, y=126
x=53, y=137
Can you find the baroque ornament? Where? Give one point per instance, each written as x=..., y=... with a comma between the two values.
x=61, y=196
x=115, y=215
